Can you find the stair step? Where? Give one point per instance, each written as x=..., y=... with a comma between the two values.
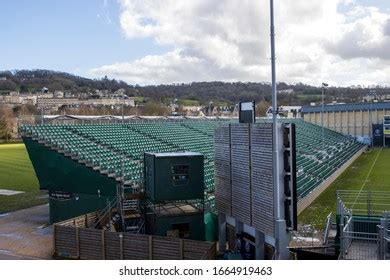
x=132, y=215
x=132, y=227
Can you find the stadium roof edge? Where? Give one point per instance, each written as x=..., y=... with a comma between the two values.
x=347, y=107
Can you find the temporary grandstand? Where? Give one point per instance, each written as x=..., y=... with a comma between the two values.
x=114, y=155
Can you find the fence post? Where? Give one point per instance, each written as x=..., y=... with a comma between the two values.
x=369, y=203
x=121, y=245
x=181, y=249
x=383, y=236
x=380, y=242
x=54, y=239
x=77, y=243
x=150, y=247
x=341, y=239
x=103, y=244
x=86, y=221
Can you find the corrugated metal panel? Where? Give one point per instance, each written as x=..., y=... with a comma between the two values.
x=240, y=170
x=222, y=134
x=243, y=175
x=223, y=195
x=223, y=192
x=263, y=217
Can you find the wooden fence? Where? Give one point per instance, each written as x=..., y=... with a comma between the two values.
x=74, y=240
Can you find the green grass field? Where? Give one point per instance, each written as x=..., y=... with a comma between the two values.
x=17, y=173
x=371, y=171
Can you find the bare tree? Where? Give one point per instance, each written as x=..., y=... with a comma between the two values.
x=7, y=123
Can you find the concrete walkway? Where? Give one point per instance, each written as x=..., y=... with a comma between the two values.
x=25, y=234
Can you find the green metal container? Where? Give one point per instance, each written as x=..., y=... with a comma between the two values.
x=174, y=176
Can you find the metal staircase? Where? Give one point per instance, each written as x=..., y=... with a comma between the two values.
x=130, y=206
x=109, y=217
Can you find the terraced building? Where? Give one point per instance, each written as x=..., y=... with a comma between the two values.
x=84, y=165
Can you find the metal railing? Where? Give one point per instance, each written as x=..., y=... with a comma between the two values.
x=105, y=213
x=359, y=239
x=370, y=203
x=327, y=228
x=364, y=225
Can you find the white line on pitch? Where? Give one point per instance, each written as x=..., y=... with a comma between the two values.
x=368, y=175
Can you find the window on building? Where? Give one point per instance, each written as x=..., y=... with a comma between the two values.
x=180, y=174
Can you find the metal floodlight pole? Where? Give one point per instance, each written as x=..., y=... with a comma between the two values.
x=370, y=130
x=281, y=238
x=322, y=116
x=323, y=88
x=123, y=104
x=274, y=111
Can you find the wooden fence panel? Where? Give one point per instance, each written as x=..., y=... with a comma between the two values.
x=65, y=241
x=211, y=253
x=135, y=246
x=195, y=250
x=166, y=248
x=112, y=246
x=73, y=240
x=90, y=242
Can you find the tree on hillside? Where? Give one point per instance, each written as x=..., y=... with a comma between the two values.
x=262, y=108
x=154, y=109
x=8, y=85
x=7, y=123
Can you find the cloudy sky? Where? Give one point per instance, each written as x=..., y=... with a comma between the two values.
x=342, y=42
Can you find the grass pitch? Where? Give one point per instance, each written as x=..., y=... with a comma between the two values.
x=370, y=172
x=17, y=173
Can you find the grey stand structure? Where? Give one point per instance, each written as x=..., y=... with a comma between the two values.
x=246, y=193
x=253, y=186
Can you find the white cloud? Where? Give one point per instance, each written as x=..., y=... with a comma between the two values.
x=229, y=40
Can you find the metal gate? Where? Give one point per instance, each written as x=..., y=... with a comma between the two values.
x=363, y=225
x=360, y=239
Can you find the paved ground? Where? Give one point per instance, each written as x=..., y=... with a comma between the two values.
x=362, y=250
x=10, y=256
x=25, y=234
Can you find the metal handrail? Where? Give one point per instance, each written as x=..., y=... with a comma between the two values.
x=327, y=229
x=347, y=224
x=106, y=211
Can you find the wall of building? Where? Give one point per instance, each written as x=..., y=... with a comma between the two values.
x=354, y=123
